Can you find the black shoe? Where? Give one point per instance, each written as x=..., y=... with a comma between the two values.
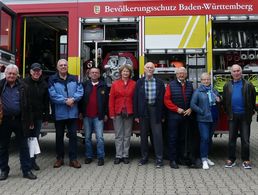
x=100, y=162
x=3, y=175
x=117, y=161
x=88, y=160
x=30, y=175
x=159, y=164
x=142, y=162
x=35, y=166
x=173, y=165
x=126, y=160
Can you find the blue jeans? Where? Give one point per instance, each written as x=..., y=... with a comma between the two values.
x=90, y=125
x=206, y=133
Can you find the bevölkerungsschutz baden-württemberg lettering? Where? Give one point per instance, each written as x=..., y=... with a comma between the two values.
x=179, y=7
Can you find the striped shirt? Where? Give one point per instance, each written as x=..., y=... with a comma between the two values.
x=150, y=90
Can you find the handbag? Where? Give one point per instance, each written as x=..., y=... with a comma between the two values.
x=33, y=146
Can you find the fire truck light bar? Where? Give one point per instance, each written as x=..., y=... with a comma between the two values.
x=238, y=17
x=235, y=17
x=109, y=20
x=175, y=51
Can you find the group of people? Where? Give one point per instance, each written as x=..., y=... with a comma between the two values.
x=188, y=115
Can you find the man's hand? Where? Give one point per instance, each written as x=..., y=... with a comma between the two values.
x=180, y=111
x=70, y=102
x=137, y=120
x=105, y=118
x=188, y=112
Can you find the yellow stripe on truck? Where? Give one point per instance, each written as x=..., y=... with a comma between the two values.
x=197, y=36
x=74, y=65
x=187, y=32
x=165, y=25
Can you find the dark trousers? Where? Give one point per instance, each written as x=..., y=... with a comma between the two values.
x=239, y=123
x=146, y=123
x=71, y=125
x=178, y=138
x=8, y=126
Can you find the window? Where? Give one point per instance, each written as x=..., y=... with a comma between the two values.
x=6, y=31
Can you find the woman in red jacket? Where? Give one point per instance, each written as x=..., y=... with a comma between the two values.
x=121, y=111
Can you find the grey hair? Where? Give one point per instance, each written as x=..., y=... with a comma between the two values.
x=238, y=66
x=62, y=60
x=205, y=74
x=11, y=66
x=180, y=69
x=149, y=63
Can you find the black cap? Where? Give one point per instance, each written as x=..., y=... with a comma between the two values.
x=35, y=66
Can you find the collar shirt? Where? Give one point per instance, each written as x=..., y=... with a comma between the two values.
x=150, y=90
x=11, y=100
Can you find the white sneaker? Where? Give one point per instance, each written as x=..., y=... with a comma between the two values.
x=205, y=165
x=210, y=162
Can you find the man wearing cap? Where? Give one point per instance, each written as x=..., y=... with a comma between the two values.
x=65, y=92
x=39, y=101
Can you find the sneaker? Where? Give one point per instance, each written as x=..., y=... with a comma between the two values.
x=159, y=164
x=247, y=165
x=210, y=162
x=230, y=164
x=142, y=162
x=205, y=165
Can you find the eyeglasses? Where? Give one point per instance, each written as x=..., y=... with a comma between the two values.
x=62, y=65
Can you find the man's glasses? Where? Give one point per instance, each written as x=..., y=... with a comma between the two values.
x=62, y=65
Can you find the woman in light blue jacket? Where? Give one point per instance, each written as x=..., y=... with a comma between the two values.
x=203, y=102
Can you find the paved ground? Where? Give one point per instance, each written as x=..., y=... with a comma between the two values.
x=132, y=179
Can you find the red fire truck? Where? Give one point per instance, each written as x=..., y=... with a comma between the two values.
x=201, y=35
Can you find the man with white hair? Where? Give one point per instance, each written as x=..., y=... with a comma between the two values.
x=149, y=112
x=17, y=118
x=239, y=102
x=177, y=99
x=65, y=92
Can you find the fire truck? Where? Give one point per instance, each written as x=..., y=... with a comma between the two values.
x=200, y=35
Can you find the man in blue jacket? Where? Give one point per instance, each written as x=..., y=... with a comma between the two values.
x=93, y=107
x=65, y=92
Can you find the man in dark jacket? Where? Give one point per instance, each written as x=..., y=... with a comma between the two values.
x=177, y=99
x=93, y=107
x=39, y=102
x=16, y=118
x=149, y=112
x=239, y=103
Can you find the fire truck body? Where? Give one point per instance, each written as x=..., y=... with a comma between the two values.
x=201, y=35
